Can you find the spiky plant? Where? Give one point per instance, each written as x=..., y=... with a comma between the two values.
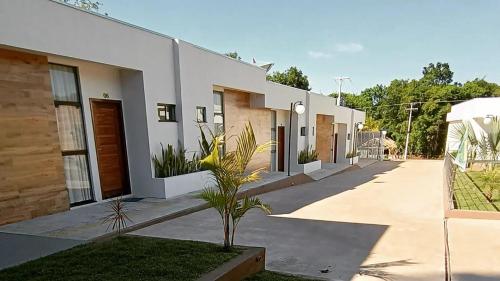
x=308, y=155
x=489, y=142
x=229, y=174
x=465, y=130
x=174, y=163
x=117, y=218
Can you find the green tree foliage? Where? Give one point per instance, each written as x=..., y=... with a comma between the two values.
x=292, y=77
x=233, y=55
x=85, y=4
x=433, y=94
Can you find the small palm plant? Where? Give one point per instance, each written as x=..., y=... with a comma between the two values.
x=490, y=183
x=229, y=174
x=117, y=218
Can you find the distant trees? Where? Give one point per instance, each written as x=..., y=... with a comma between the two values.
x=292, y=77
x=433, y=94
x=233, y=55
x=88, y=5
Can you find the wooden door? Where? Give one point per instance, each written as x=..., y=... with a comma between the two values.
x=281, y=148
x=335, y=145
x=110, y=147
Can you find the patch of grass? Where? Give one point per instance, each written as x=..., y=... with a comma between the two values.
x=477, y=178
x=274, y=276
x=467, y=196
x=125, y=258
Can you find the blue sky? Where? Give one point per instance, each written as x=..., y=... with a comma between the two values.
x=373, y=42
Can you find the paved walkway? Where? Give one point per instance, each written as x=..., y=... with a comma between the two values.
x=474, y=249
x=381, y=221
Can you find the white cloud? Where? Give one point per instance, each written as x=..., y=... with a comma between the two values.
x=349, y=48
x=319, y=55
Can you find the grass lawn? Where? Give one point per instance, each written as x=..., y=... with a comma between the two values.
x=125, y=258
x=468, y=194
x=274, y=276
x=477, y=179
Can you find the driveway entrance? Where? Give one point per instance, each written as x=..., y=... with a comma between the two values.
x=383, y=221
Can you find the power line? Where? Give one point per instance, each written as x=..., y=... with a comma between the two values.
x=409, y=103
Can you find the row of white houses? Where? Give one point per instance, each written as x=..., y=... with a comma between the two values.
x=97, y=97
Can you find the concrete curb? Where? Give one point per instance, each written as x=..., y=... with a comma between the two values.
x=265, y=188
x=250, y=262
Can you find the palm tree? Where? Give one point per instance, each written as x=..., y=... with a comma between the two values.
x=465, y=130
x=489, y=142
x=229, y=174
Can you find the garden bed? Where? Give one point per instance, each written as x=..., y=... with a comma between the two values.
x=125, y=258
x=468, y=194
x=134, y=258
x=309, y=167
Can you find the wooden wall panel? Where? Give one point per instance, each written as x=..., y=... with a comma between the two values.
x=237, y=112
x=31, y=169
x=324, y=132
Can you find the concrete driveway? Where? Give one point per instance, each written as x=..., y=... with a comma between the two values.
x=382, y=221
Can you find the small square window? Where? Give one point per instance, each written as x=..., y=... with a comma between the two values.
x=302, y=131
x=201, y=114
x=166, y=112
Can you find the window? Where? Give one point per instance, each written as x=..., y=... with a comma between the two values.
x=303, y=131
x=273, y=141
x=218, y=113
x=313, y=131
x=72, y=138
x=201, y=114
x=166, y=112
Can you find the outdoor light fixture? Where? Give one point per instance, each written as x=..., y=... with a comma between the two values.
x=384, y=132
x=487, y=120
x=299, y=108
x=360, y=126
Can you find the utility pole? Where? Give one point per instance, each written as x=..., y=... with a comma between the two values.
x=340, y=80
x=408, y=129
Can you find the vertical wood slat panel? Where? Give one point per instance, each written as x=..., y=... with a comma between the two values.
x=31, y=169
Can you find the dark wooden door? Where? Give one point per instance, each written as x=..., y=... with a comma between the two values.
x=110, y=147
x=335, y=144
x=281, y=148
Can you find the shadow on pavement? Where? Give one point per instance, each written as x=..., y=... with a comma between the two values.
x=301, y=246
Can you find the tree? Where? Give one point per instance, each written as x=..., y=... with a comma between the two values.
x=88, y=5
x=292, y=77
x=229, y=173
x=439, y=73
x=433, y=94
x=233, y=55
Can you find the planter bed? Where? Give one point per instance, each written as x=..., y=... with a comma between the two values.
x=145, y=258
x=309, y=167
x=174, y=186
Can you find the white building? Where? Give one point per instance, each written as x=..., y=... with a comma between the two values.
x=477, y=112
x=87, y=100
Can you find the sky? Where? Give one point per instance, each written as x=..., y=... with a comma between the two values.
x=372, y=42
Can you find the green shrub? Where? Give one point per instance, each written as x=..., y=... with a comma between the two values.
x=173, y=163
x=308, y=155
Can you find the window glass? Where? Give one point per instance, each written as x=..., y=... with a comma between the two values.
x=77, y=178
x=70, y=126
x=63, y=79
x=71, y=131
x=166, y=112
x=201, y=114
x=217, y=102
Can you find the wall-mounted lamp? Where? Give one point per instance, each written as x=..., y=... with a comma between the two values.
x=488, y=119
x=360, y=126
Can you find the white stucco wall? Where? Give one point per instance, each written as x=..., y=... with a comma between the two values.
x=62, y=30
x=199, y=71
